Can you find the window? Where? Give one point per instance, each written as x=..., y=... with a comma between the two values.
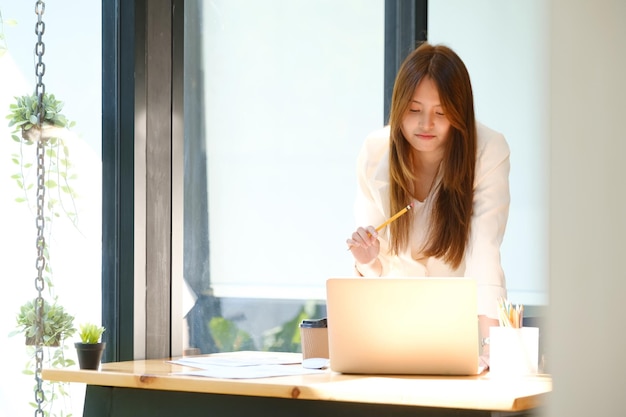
x=247, y=68
x=278, y=99
x=276, y=108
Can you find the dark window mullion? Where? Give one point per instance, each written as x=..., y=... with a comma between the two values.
x=121, y=27
x=405, y=26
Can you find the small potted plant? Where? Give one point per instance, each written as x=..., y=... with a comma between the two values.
x=89, y=349
x=57, y=323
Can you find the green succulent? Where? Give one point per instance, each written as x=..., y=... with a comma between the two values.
x=23, y=113
x=57, y=323
x=90, y=333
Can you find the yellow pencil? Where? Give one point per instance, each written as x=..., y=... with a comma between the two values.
x=394, y=217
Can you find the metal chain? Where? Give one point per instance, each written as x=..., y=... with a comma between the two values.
x=40, y=222
x=40, y=49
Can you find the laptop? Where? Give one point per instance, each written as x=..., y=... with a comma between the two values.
x=409, y=326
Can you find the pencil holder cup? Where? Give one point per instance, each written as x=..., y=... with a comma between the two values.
x=314, y=338
x=513, y=351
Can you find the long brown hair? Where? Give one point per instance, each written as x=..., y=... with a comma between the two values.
x=452, y=206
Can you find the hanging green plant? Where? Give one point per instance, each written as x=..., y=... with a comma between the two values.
x=24, y=113
x=57, y=324
x=58, y=327
x=23, y=117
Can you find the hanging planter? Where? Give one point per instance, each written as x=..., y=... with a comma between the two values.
x=44, y=132
x=57, y=323
x=24, y=116
x=50, y=136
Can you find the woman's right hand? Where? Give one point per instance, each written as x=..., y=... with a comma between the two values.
x=364, y=244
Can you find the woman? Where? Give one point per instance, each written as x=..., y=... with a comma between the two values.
x=451, y=169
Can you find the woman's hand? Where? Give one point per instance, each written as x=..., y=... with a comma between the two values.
x=364, y=244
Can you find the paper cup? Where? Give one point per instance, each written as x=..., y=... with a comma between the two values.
x=314, y=339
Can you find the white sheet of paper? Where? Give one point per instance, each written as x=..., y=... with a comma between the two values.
x=255, y=371
x=239, y=359
x=245, y=364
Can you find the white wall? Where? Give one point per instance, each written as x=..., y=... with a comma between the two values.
x=503, y=44
x=587, y=208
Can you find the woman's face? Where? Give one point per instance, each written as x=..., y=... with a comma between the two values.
x=425, y=125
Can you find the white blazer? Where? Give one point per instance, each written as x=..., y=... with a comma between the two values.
x=490, y=214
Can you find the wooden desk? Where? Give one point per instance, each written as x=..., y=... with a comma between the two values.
x=153, y=387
